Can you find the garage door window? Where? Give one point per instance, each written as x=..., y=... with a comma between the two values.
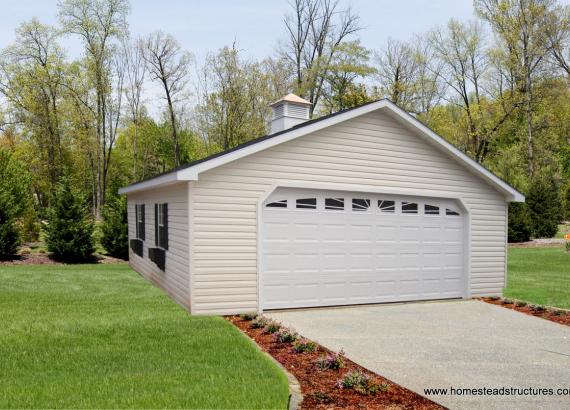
x=388, y=207
x=451, y=212
x=334, y=204
x=277, y=204
x=409, y=208
x=431, y=209
x=307, y=203
x=360, y=205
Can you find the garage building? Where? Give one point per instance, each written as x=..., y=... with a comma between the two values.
x=367, y=205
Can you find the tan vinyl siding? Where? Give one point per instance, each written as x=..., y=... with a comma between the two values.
x=372, y=152
x=175, y=280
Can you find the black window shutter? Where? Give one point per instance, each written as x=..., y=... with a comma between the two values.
x=156, y=225
x=137, y=227
x=143, y=222
x=165, y=216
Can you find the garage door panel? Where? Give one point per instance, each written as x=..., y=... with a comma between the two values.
x=320, y=257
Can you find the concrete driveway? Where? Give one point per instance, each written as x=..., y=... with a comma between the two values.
x=460, y=344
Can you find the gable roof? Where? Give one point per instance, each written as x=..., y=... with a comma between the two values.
x=191, y=171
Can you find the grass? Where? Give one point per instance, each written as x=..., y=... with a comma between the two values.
x=539, y=275
x=99, y=336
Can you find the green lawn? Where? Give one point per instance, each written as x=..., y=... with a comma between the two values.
x=99, y=336
x=539, y=275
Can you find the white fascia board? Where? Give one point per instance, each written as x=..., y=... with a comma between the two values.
x=165, y=179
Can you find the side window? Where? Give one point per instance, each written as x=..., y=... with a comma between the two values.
x=161, y=225
x=451, y=212
x=409, y=208
x=388, y=207
x=334, y=203
x=431, y=209
x=306, y=203
x=360, y=204
x=282, y=203
x=139, y=221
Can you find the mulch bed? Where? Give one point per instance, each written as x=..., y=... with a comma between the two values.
x=319, y=386
x=44, y=259
x=555, y=315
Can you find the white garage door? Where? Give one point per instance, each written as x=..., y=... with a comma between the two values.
x=324, y=248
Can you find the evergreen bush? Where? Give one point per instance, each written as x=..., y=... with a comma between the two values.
x=544, y=205
x=69, y=232
x=114, y=229
x=520, y=224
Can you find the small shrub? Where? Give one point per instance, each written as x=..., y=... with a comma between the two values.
x=507, y=302
x=538, y=308
x=304, y=345
x=285, y=335
x=259, y=322
x=494, y=298
x=322, y=397
x=520, y=303
x=332, y=361
x=361, y=383
x=567, y=246
x=272, y=327
x=248, y=316
x=556, y=312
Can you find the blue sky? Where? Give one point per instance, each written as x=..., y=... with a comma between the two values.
x=205, y=26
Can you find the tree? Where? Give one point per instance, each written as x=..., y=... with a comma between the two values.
x=15, y=199
x=521, y=26
x=464, y=65
x=544, y=205
x=114, y=230
x=69, y=231
x=315, y=30
x=397, y=72
x=98, y=23
x=135, y=77
x=349, y=63
x=234, y=100
x=170, y=66
x=520, y=223
x=32, y=73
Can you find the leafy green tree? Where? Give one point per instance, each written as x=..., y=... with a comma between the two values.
x=15, y=199
x=544, y=206
x=349, y=63
x=234, y=105
x=115, y=228
x=520, y=224
x=69, y=232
